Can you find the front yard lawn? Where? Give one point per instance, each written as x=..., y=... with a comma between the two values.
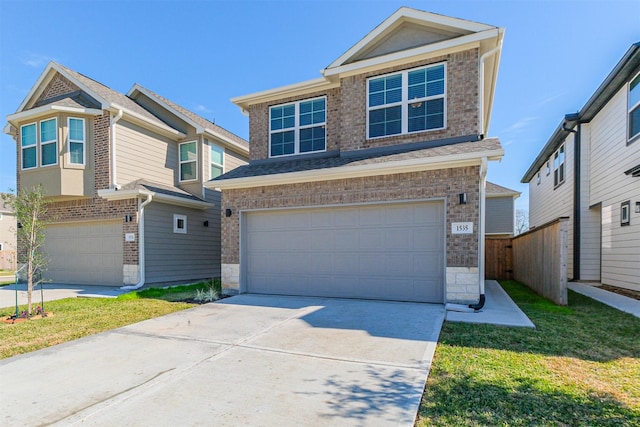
x=580, y=366
x=75, y=318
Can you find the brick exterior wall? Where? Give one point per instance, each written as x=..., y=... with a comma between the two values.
x=462, y=250
x=58, y=86
x=347, y=108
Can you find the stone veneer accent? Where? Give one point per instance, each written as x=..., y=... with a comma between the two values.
x=230, y=278
x=444, y=183
x=347, y=108
x=462, y=285
x=131, y=274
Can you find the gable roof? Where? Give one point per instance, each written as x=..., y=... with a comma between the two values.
x=625, y=69
x=359, y=163
x=201, y=124
x=103, y=96
x=495, y=190
x=160, y=192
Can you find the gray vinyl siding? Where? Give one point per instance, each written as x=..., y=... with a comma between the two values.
x=499, y=215
x=173, y=257
x=141, y=153
x=610, y=157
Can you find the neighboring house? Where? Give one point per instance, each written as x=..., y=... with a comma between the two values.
x=124, y=174
x=368, y=182
x=501, y=211
x=589, y=171
x=8, y=227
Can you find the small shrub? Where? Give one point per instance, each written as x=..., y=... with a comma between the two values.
x=206, y=295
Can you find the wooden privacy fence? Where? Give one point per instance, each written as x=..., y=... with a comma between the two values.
x=498, y=258
x=540, y=259
x=8, y=260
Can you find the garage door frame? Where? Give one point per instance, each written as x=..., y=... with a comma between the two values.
x=243, y=215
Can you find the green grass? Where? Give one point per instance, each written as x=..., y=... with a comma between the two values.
x=75, y=318
x=174, y=293
x=579, y=367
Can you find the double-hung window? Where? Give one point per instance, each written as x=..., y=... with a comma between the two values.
x=28, y=144
x=77, y=140
x=634, y=107
x=49, y=142
x=407, y=101
x=216, y=157
x=298, y=127
x=558, y=166
x=188, y=161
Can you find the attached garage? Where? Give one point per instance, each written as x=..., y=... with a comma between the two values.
x=87, y=253
x=390, y=251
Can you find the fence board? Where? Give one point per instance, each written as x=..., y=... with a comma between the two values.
x=540, y=259
x=498, y=258
x=8, y=260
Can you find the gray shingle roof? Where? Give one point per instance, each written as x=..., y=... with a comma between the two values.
x=492, y=188
x=142, y=184
x=355, y=158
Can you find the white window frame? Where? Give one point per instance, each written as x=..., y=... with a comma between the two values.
x=220, y=166
x=538, y=179
x=1, y=245
x=23, y=147
x=75, y=141
x=625, y=213
x=297, y=127
x=176, y=224
x=187, y=161
x=632, y=108
x=48, y=142
x=406, y=102
x=559, y=169
x=548, y=170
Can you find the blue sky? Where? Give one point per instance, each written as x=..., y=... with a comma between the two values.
x=200, y=54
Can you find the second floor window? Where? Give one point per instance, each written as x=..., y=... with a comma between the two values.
x=76, y=141
x=634, y=107
x=188, y=161
x=407, y=101
x=49, y=142
x=216, y=156
x=28, y=144
x=558, y=166
x=298, y=127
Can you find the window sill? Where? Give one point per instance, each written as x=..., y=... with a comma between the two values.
x=396, y=135
x=633, y=139
x=558, y=185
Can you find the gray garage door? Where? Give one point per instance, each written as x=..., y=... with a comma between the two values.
x=88, y=253
x=388, y=251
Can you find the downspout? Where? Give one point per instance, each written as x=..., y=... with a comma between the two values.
x=483, y=58
x=140, y=245
x=577, y=188
x=112, y=133
x=483, y=184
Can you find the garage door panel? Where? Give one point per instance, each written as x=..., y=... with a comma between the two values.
x=375, y=251
x=84, y=253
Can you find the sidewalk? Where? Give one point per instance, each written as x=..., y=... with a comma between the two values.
x=53, y=292
x=620, y=302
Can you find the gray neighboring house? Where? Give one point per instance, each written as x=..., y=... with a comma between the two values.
x=501, y=211
x=124, y=174
x=8, y=240
x=589, y=171
x=369, y=182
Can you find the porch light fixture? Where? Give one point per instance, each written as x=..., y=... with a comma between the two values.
x=637, y=207
x=228, y=212
x=206, y=223
x=463, y=198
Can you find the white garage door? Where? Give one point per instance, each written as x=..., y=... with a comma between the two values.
x=389, y=251
x=87, y=253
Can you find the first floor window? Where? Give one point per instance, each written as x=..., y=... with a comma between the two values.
x=298, y=127
x=188, y=161
x=28, y=144
x=406, y=102
x=76, y=140
x=558, y=166
x=634, y=107
x=180, y=224
x=49, y=142
x=216, y=156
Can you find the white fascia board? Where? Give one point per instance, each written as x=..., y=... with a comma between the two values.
x=145, y=122
x=112, y=195
x=40, y=111
x=435, y=49
x=371, y=169
x=514, y=195
x=226, y=141
x=9, y=129
x=295, y=89
x=411, y=15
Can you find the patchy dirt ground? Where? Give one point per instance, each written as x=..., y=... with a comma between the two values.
x=621, y=291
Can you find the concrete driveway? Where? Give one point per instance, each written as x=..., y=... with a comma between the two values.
x=251, y=360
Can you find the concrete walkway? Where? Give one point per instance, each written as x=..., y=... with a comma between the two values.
x=620, y=302
x=53, y=292
x=252, y=360
x=499, y=309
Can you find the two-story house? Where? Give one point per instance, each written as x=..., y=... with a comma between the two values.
x=124, y=174
x=588, y=171
x=368, y=182
x=8, y=238
x=501, y=210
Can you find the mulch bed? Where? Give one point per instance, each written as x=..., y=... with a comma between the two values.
x=12, y=319
x=621, y=291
